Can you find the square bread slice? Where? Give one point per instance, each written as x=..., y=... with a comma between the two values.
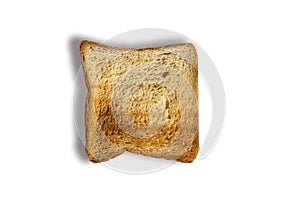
x=143, y=101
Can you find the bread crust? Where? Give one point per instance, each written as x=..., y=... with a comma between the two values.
x=98, y=148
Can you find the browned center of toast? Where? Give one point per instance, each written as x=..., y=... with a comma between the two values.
x=141, y=102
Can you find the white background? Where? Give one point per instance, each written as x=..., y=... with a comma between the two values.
x=255, y=46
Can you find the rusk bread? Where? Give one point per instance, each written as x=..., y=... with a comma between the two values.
x=143, y=101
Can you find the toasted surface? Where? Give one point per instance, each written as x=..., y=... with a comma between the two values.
x=141, y=100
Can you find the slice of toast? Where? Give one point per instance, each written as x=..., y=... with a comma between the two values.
x=141, y=100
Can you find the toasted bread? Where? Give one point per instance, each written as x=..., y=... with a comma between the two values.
x=143, y=101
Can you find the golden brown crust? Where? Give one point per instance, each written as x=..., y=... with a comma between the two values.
x=191, y=153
